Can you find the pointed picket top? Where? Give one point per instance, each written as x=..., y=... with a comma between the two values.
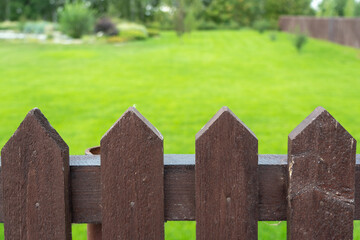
x=226, y=179
x=321, y=168
x=35, y=172
x=315, y=118
x=132, y=179
x=36, y=121
x=129, y=115
x=220, y=116
x=319, y=122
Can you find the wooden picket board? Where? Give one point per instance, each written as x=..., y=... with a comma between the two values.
x=132, y=179
x=321, y=167
x=226, y=179
x=35, y=178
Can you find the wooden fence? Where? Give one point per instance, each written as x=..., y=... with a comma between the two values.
x=226, y=186
x=345, y=31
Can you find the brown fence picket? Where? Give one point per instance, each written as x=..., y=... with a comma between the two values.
x=35, y=175
x=226, y=179
x=132, y=179
x=321, y=162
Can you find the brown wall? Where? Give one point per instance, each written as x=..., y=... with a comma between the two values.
x=345, y=31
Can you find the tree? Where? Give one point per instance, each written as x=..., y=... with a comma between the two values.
x=179, y=18
x=332, y=8
x=327, y=8
x=349, y=10
x=357, y=9
x=275, y=8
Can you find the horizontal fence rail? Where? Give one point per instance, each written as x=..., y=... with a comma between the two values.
x=179, y=186
x=127, y=188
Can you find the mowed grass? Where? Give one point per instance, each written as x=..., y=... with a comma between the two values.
x=178, y=85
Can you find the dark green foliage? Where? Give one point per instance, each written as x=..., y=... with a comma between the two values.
x=76, y=19
x=133, y=10
x=300, y=40
x=207, y=25
x=273, y=36
x=357, y=9
x=106, y=26
x=182, y=15
x=262, y=25
x=134, y=34
x=152, y=32
x=333, y=8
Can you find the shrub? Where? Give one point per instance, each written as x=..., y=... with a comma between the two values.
x=273, y=36
x=34, y=27
x=7, y=25
x=232, y=25
x=116, y=39
x=261, y=25
x=134, y=34
x=124, y=26
x=153, y=32
x=133, y=31
x=300, y=40
x=76, y=19
x=207, y=25
x=190, y=22
x=106, y=26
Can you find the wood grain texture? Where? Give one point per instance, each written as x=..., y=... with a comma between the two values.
x=94, y=229
x=226, y=179
x=321, y=190
x=179, y=191
x=132, y=179
x=35, y=182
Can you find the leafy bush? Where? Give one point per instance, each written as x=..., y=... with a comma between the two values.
x=106, y=26
x=152, y=32
x=273, y=36
x=207, y=25
x=231, y=25
x=133, y=31
x=190, y=21
x=262, y=25
x=34, y=27
x=134, y=34
x=7, y=25
x=116, y=39
x=76, y=19
x=300, y=40
x=124, y=26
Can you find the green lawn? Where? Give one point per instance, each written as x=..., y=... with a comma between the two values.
x=178, y=85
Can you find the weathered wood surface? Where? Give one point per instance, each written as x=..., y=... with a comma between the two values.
x=132, y=177
x=179, y=188
x=94, y=230
x=34, y=175
x=226, y=179
x=321, y=189
x=335, y=29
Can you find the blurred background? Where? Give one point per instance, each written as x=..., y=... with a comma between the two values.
x=83, y=63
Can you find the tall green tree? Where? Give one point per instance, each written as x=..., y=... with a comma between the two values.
x=327, y=8
x=349, y=10
x=275, y=8
x=133, y=10
x=357, y=9
x=332, y=8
